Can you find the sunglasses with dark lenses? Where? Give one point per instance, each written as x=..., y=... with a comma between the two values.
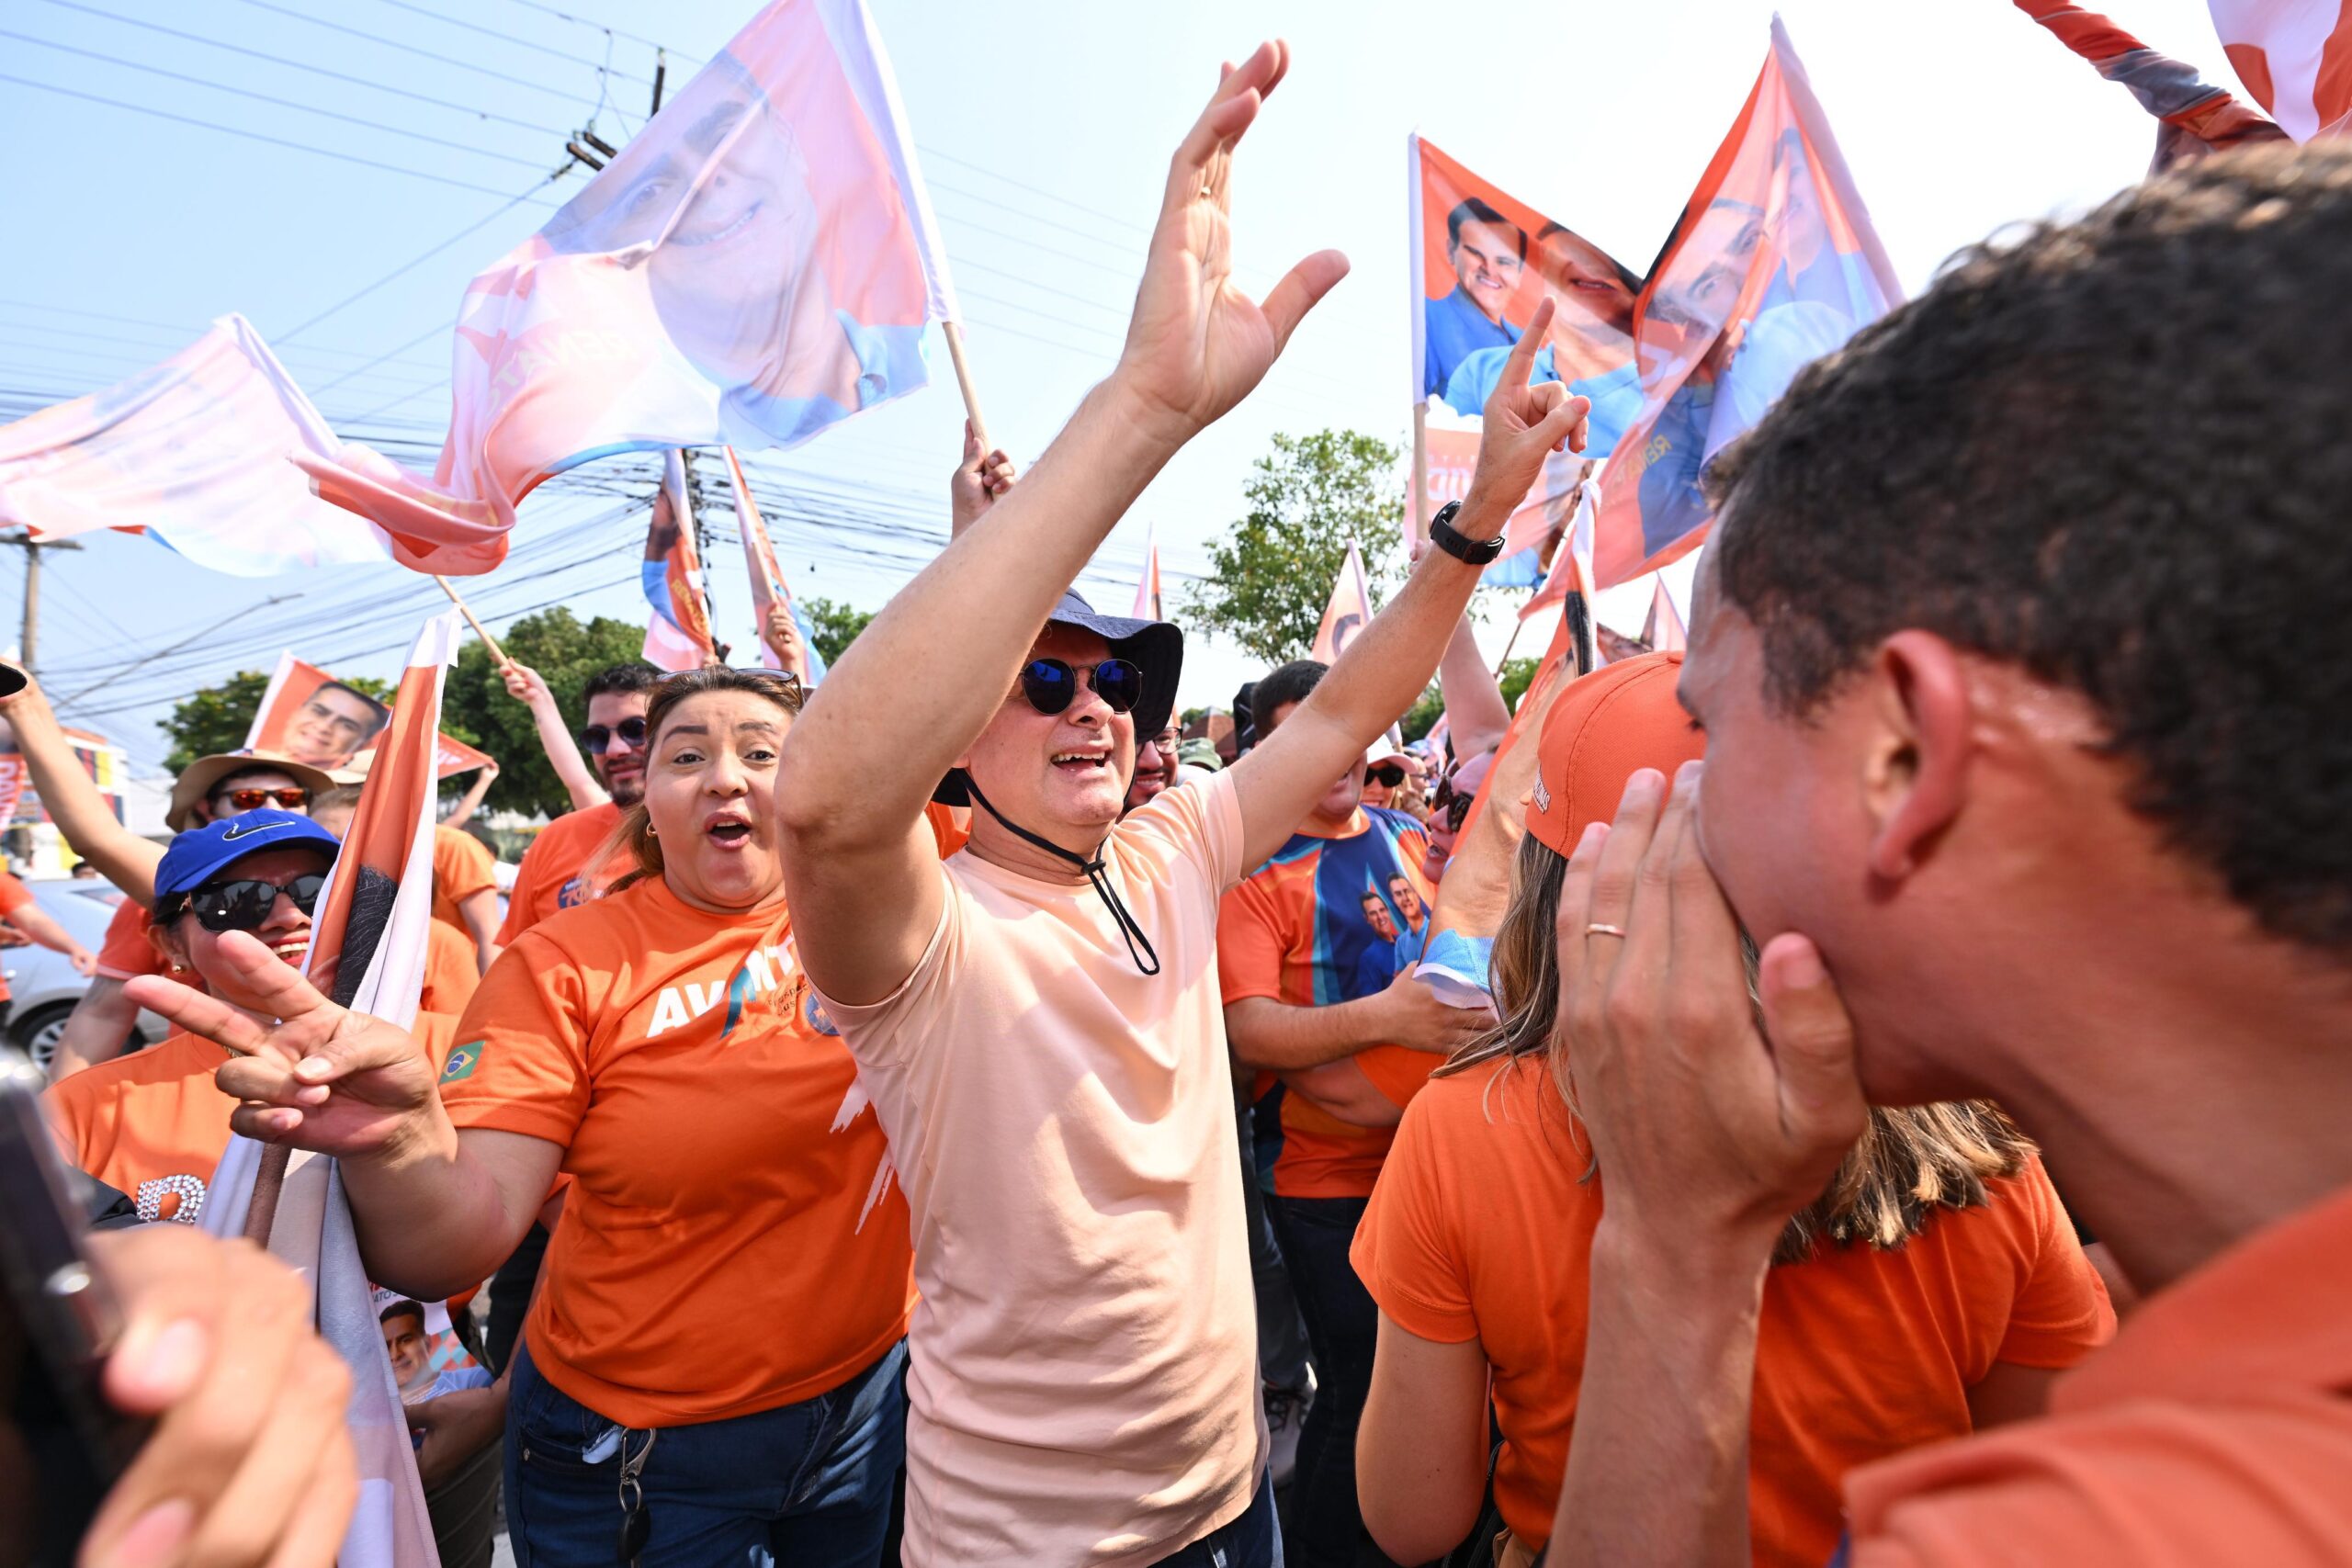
x=1388, y=775
x=244, y=905
x=289, y=799
x=1051, y=685
x=1454, y=803
x=597, y=739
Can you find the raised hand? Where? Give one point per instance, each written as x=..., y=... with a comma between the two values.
x=1708, y=1130
x=523, y=682
x=322, y=1078
x=1197, y=344
x=1523, y=424
x=981, y=480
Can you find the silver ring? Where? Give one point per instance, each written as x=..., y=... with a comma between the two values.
x=1600, y=929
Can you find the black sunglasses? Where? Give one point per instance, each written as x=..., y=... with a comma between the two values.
x=1453, y=802
x=597, y=739
x=244, y=905
x=1051, y=685
x=1387, y=774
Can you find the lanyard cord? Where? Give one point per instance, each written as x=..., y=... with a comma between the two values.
x=1146, y=961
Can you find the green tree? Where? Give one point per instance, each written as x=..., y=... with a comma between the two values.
x=835, y=626
x=476, y=709
x=1270, y=575
x=218, y=718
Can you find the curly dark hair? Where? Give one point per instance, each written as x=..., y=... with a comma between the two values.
x=2114, y=453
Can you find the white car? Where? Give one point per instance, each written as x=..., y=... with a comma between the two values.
x=42, y=983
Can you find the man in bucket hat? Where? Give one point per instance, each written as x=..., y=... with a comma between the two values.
x=1038, y=1019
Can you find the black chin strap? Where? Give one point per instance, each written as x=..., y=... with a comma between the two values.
x=1146, y=961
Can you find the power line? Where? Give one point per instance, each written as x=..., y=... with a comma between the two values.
x=521, y=42
x=250, y=135
x=594, y=26
x=302, y=65
x=503, y=78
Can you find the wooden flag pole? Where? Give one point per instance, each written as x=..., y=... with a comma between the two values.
x=1516, y=627
x=954, y=334
x=1416, y=517
x=497, y=654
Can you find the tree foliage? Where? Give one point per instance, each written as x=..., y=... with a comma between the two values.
x=213, y=719
x=1270, y=575
x=834, y=625
x=476, y=709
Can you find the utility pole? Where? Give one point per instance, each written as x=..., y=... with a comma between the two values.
x=32, y=548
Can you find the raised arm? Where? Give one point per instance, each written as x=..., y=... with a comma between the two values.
x=41, y=927
x=1388, y=665
x=524, y=684
x=436, y=1210
x=470, y=802
x=865, y=757
x=1474, y=703
x=73, y=803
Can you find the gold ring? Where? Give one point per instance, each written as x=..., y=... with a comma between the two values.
x=1599, y=928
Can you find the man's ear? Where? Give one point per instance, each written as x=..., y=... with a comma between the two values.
x=1915, y=765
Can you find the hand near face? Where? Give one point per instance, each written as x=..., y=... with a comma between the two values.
x=1707, y=1129
x=1197, y=344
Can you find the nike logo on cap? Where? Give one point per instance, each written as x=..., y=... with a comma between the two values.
x=230, y=835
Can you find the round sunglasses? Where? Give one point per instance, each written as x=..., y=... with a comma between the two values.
x=597, y=739
x=244, y=905
x=1051, y=685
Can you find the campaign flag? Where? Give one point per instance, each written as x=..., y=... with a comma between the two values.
x=757, y=264
x=1349, y=612
x=767, y=579
x=368, y=952
x=1526, y=719
x=1572, y=565
x=677, y=635
x=1148, y=596
x=308, y=714
x=2193, y=116
x=1663, y=631
x=194, y=452
x=2295, y=57
x=1772, y=263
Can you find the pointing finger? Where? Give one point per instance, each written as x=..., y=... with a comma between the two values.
x=1521, y=361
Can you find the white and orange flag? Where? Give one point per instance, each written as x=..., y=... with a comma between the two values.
x=1664, y=631
x=1349, y=612
x=2295, y=58
x=368, y=952
x=767, y=580
x=677, y=635
x=1148, y=595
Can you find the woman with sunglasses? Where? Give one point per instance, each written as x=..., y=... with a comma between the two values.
x=722, y=1313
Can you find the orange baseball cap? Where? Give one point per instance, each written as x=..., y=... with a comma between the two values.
x=1601, y=730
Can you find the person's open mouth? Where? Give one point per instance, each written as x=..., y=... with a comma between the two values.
x=292, y=951
x=1083, y=762
x=729, y=830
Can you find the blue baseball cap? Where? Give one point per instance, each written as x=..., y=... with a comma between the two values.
x=199, y=855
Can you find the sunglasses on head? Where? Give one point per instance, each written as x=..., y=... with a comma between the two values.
x=597, y=739
x=1051, y=685
x=1387, y=774
x=292, y=799
x=244, y=905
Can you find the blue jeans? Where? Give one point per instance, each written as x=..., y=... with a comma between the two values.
x=1253, y=1541
x=807, y=1483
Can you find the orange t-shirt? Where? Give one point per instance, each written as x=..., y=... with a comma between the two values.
x=13, y=895
x=2217, y=1428
x=452, y=970
x=127, y=954
x=1301, y=930
x=461, y=868
x=556, y=873
x=153, y=1124
x=734, y=1239
x=1481, y=1229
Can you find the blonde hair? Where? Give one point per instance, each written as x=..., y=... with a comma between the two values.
x=635, y=840
x=1910, y=1162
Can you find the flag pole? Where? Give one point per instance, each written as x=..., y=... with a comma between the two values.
x=954, y=334
x=497, y=655
x=1415, y=519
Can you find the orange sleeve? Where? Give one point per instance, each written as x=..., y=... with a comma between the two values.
x=452, y=970
x=1249, y=944
x=2061, y=1314
x=520, y=1063
x=13, y=895
x=73, y=1113
x=951, y=826
x=1404, y=1249
x=461, y=867
x=1398, y=1071
x=127, y=954
x=522, y=898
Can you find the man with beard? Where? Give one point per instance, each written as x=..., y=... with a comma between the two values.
x=555, y=872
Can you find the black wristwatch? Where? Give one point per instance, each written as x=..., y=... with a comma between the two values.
x=1447, y=537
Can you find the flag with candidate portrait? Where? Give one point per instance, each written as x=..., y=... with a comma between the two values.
x=1771, y=265
x=2193, y=117
x=756, y=264
x=1347, y=614
x=677, y=634
x=768, y=588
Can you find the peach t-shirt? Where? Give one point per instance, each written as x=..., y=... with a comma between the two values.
x=1482, y=1228
x=1084, y=1358
x=2217, y=1428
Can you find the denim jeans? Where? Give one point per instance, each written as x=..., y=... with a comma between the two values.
x=805, y=1483
x=1253, y=1541
x=1326, y=1527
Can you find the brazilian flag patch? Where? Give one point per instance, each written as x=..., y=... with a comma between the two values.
x=463, y=1061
